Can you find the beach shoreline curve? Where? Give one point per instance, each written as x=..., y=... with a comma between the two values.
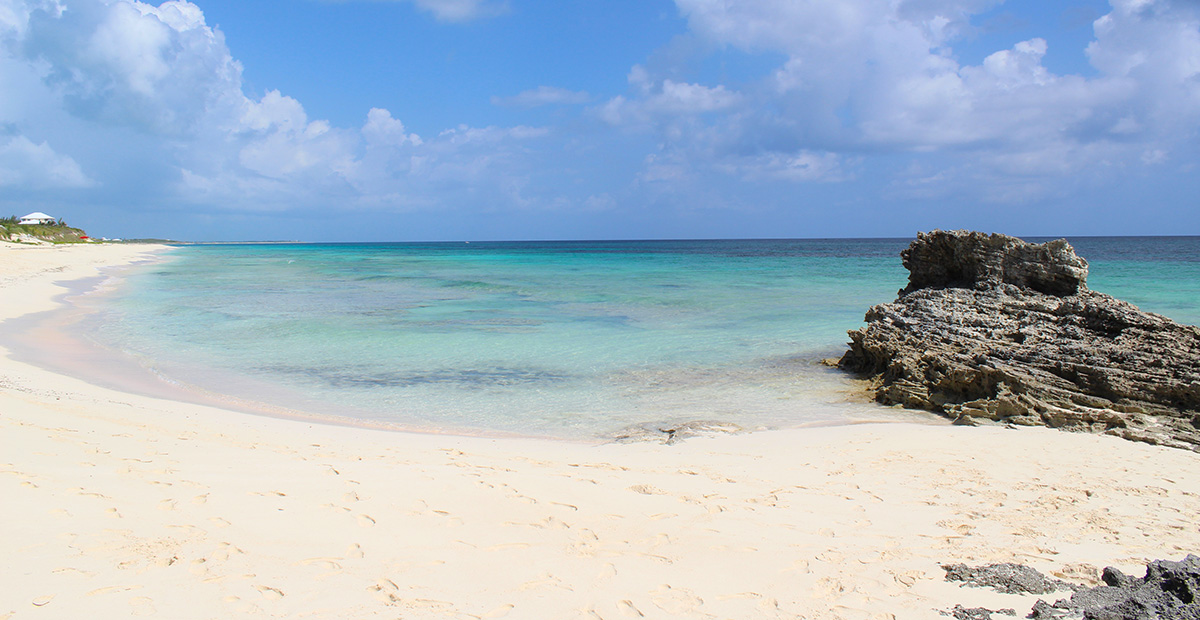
x=119, y=504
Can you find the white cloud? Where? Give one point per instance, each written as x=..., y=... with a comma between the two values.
x=131, y=46
x=543, y=95
x=457, y=10
x=851, y=80
x=802, y=166
x=23, y=163
x=161, y=83
x=273, y=111
x=383, y=130
x=464, y=134
x=665, y=100
x=683, y=98
x=462, y=10
x=871, y=76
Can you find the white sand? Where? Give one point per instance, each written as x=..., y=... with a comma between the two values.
x=116, y=505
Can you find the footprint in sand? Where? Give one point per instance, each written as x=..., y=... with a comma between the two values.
x=198, y=566
x=142, y=606
x=608, y=571
x=498, y=612
x=384, y=590
x=113, y=590
x=219, y=522
x=354, y=551
x=508, y=546
x=908, y=578
x=675, y=600
x=647, y=489
x=270, y=593
x=200, y=499
x=366, y=520
x=42, y=601
x=223, y=551
x=71, y=569
x=628, y=609
x=326, y=563
x=167, y=504
x=550, y=523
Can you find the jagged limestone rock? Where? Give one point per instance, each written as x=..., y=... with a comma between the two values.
x=992, y=329
x=1170, y=590
x=962, y=259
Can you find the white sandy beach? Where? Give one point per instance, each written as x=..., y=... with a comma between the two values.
x=117, y=505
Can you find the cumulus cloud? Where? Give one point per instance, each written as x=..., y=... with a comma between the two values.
x=867, y=76
x=543, y=95
x=383, y=130
x=665, y=100
x=122, y=93
x=23, y=163
x=159, y=69
x=160, y=83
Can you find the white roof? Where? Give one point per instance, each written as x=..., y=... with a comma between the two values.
x=38, y=215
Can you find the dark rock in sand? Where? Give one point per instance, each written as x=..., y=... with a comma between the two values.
x=1170, y=590
x=976, y=613
x=1006, y=578
x=991, y=329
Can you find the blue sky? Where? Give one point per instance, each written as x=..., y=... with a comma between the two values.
x=511, y=119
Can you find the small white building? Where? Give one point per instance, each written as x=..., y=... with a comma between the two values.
x=37, y=217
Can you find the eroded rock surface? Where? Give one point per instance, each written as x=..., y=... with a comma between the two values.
x=1169, y=591
x=992, y=329
x=1007, y=578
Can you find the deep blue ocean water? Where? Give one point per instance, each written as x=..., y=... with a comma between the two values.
x=560, y=339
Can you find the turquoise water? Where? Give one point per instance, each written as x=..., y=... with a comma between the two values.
x=567, y=339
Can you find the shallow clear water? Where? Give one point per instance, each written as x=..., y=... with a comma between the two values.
x=567, y=339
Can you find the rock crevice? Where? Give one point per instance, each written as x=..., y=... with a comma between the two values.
x=991, y=329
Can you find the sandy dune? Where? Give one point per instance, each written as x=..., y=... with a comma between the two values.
x=117, y=505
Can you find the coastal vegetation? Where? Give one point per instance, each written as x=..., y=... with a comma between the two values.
x=59, y=232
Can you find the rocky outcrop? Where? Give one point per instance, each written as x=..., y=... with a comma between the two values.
x=1006, y=578
x=991, y=329
x=1169, y=590
x=974, y=260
